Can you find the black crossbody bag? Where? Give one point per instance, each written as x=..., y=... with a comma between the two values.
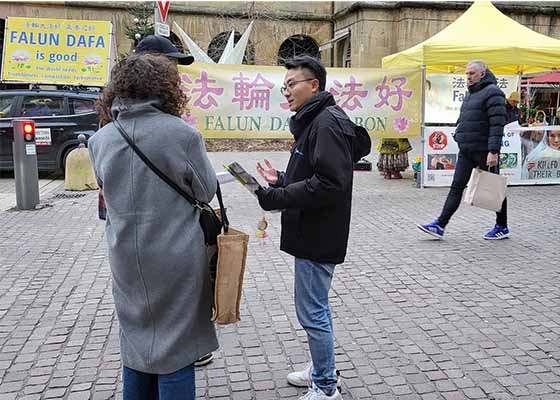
x=211, y=225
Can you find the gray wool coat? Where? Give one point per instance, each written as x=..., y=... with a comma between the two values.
x=156, y=247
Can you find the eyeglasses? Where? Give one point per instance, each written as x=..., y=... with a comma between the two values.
x=290, y=85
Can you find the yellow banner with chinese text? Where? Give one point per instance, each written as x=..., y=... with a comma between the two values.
x=244, y=101
x=56, y=51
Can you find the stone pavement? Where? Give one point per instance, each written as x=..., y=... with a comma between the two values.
x=414, y=318
x=47, y=184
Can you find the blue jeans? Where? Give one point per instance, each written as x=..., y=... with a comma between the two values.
x=178, y=385
x=312, y=285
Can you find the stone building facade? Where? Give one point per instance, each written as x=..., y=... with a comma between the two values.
x=377, y=29
x=357, y=34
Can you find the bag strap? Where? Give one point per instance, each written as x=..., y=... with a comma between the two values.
x=193, y=201
x=223, y=215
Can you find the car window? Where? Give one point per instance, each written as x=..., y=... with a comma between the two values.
x=41, y=106
x=6, y=105
x=82, y=106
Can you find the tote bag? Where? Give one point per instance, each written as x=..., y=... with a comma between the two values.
x=486, y=190
x=230, y=269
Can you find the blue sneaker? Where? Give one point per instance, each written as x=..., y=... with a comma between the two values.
x=432, y=229
x=499, y=232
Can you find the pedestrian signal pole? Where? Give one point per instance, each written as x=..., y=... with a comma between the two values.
x=25, y=164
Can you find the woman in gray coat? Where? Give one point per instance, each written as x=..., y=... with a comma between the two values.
x=156, y=247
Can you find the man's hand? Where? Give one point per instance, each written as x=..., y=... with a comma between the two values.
x=269, y=174
x=492, y=160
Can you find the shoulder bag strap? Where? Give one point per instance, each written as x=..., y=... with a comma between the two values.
x=194, y=202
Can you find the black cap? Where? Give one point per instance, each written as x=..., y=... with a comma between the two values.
x=162, y=45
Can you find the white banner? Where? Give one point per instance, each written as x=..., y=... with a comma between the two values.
x=445, y=94
x=245, y=101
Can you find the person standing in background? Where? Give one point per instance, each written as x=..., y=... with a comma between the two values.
x=512, y=109
x=393, y=157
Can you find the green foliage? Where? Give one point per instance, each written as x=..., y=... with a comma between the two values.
x=145, y=13
x=529, y=111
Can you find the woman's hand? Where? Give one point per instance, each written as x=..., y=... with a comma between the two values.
x=269, y=174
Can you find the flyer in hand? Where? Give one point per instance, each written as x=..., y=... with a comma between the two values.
x=243, y=177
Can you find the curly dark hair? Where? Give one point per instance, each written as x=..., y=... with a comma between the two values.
x=103, y=105
x=142, y=76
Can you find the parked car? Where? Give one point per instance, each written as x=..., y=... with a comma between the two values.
x=60, y=116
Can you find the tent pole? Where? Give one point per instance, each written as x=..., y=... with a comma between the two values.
x=422, y=128
x=557, y=106
x=519, y=75
x=528, y=102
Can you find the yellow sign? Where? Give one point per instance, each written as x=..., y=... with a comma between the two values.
x=60, y=51
x=242, y=101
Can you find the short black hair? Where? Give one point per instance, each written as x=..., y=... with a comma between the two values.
x=311, y=64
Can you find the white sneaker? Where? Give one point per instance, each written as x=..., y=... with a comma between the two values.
x=303, y=378
x=315, y=393
x=205, y=359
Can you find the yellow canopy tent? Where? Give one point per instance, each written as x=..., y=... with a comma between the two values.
x=482, y=33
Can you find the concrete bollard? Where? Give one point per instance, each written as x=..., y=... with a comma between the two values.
x=79, y=173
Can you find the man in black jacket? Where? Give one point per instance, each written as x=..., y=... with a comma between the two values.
x=315, y=195
x=479, y=133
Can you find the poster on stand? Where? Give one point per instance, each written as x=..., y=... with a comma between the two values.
x=441, y=153
x=540, y=154
x=445, y=94
x=440, y=156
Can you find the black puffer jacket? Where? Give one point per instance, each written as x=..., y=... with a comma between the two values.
x=480, y=126
x=315, y=192
x=512, y=113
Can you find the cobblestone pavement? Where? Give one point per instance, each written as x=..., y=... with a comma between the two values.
x=414, y=318
x=47, y=184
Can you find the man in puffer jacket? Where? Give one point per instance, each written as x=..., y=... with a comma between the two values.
x=479, y=133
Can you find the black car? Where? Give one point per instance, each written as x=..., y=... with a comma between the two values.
x=59, y=117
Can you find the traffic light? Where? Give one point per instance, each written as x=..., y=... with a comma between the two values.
x=28, y=129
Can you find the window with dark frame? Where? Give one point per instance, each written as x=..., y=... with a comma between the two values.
x=82, y=106
x=6, y=104
x=297, y=45
x=42, y=106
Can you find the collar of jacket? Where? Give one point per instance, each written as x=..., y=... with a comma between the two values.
x=130, y=107
x=487, y=79
x=308, y=111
